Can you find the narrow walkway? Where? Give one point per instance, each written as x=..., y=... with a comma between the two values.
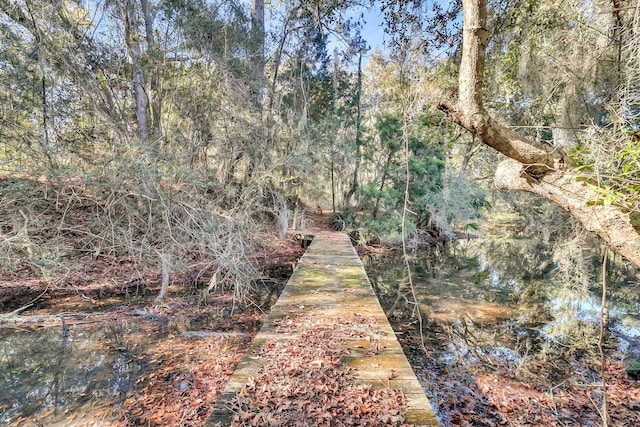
x=329, y=287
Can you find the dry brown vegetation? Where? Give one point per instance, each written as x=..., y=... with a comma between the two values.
x=179, y=377
x=305, y=381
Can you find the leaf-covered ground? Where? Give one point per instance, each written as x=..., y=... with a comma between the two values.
x=175, y=379
x=305, y=381
x=552, y=393
x=168, y=377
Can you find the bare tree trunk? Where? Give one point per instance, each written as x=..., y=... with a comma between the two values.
x=531, y=166
x=333, y=184
x=43, y=79
x=286, y=30
x=165, y=265
x=137, y=74
x=276, y=67
x=356, y=170
x=154, y=95
x=257, y=28
x=470, y=150
x=383, y=181
x=603, y=410
x=617, y=39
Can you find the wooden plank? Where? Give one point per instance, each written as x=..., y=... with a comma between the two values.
x=330, y=283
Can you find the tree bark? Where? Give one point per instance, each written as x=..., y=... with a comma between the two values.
x=257, y=28
x=155, y=95
x=356, y=170
x=40, y=57
x=532, y=166
x=278, y=61
x=137, y=74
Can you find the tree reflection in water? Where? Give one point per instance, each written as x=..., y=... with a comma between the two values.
x=43, y=372
x=523, y=306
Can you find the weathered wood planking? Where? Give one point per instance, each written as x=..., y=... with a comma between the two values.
x=330, y=282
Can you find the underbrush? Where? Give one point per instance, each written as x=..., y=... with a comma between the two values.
x=149, y=217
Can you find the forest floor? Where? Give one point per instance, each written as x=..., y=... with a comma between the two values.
x=176, y=375
x=174, y=357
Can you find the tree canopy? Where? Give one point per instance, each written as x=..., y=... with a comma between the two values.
x=211, y=116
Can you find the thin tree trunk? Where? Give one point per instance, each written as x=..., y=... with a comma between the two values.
x=334, y=84
x=276, y=67
x=278, y=55
x=383, y=181
x=43, y=80
x=137, y=74
x=165, y=265
x=604, y=412
x=154, y=95
x=470, y=150
x=257, y=28
x=333, y=185
x=356, y=170
x=618, y=40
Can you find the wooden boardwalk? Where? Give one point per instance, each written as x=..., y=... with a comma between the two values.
x=329, y=287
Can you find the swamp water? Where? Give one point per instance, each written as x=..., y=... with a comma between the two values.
x=500, y=303
x=159, y=365
x=511, y=329
x=52, y=373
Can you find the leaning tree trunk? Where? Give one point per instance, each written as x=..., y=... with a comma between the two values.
x=531, y=166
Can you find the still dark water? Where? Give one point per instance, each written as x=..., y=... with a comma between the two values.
x=43, y=372
x=521, y=296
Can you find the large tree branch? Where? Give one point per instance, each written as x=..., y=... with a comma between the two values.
x=470, y=112
x=531, y=166
x=577, y=196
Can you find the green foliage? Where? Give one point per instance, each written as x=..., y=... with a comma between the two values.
x=382, y=200
x=458, y=205
x=389, y=129
x=343, y=221
x=616, y=176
